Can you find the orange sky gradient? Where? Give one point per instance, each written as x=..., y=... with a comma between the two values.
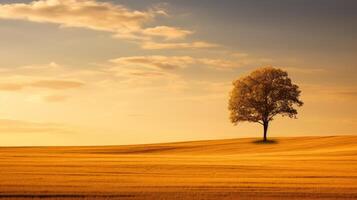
x=86, y=72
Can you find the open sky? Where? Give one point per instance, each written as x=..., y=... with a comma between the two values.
x=90, y=72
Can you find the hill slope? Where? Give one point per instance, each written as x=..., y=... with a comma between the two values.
x=327, y=144
x=238, y=146
x=288, y=168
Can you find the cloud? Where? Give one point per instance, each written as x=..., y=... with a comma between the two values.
x=158, y=71
x=51, y=65
x=17, y=126
x=55, y=98
x=218, y=63
x=180, y=45
x=176, y=62
x=48, y=84
x=117, y=19
x=344, y=92
x=156, y=62
x=56, y=84
x=240, y=55
x=152, y=70
x=79, y=13
x=330, y=93
x=51, y=83
x=305, y=70
x=11, y=86
x=167, y=32
x=349, y=92
x=144, y=72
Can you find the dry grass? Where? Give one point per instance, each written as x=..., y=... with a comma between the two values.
x=289, y=168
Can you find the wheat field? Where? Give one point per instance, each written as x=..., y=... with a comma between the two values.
x=285, y=168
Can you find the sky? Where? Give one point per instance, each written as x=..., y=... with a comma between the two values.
x=90, y=72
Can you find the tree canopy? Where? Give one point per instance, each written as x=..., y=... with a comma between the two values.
x=263, y=94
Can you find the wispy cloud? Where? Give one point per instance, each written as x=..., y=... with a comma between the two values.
x=11, y=86
x=177, y=62
x=48, y=84
x=56, y=84
x=162, y=71
x=8, y=126
x=55, y=98
x=179, y=45
x=305, y=70
x=156, y=61
x=167, y=32
x=117, y=19
x=80, y=13
x=317, y=92
x=51, y=83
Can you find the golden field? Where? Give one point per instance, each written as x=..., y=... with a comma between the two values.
x=288, y=168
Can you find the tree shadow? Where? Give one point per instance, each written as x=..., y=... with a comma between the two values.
x=265, y=142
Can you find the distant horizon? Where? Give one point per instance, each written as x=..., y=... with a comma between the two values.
x=184, y=141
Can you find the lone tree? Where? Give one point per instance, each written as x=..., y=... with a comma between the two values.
x=263, y=94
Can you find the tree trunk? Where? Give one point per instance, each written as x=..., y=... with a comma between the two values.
x=266, y=124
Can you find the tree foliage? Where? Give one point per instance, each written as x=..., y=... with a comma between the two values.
x=262, y=95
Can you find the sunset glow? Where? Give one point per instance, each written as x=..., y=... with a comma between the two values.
x=88, y=72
